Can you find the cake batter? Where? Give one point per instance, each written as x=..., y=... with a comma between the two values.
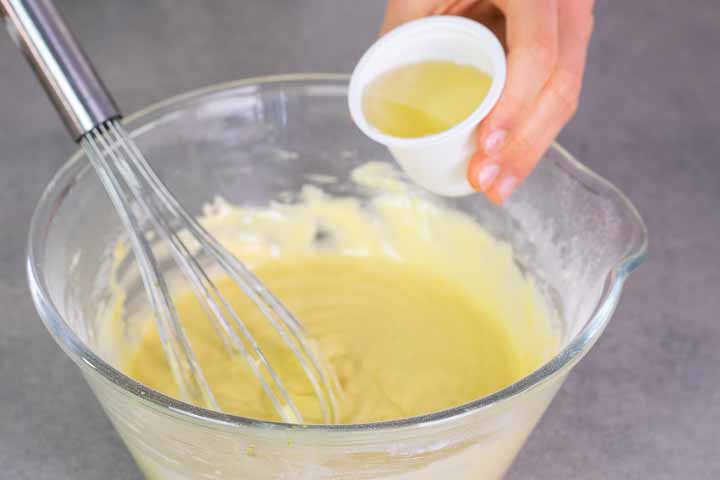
x=414, y=306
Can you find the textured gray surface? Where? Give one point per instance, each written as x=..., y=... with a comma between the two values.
x=645, y=403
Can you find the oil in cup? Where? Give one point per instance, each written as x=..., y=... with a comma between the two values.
x=422, y=89
x=424, y=98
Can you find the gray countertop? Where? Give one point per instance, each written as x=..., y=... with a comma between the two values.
x=645, y=403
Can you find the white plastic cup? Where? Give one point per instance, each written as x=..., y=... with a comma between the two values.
x=436, y=162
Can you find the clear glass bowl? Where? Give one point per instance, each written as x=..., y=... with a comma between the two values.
x=572, y=230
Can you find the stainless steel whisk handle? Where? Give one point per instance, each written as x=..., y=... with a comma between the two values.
x=60, y=63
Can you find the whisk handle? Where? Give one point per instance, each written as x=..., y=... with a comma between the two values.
x=60, y=63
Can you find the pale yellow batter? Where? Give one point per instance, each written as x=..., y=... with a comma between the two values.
x=414, y=306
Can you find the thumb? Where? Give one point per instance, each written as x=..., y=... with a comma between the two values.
x=402, y=11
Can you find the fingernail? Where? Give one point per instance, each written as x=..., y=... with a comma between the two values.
x=506, y=186
x=485, y=176
x=493, y=142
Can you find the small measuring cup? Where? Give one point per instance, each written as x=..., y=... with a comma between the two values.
x=436, y=162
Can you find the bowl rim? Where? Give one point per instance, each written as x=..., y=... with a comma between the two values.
x=64, y=179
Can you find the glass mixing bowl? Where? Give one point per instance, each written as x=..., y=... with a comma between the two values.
x=248, y=141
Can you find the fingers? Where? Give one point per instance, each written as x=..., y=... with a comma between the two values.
x=529, y=128
x=402, y=11
x=453, y=7
x=532, y=38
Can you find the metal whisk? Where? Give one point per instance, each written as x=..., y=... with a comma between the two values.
x=148, y=210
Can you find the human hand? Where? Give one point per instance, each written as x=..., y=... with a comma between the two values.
x=546, y=43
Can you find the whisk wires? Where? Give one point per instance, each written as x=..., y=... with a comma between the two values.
x=142, y=200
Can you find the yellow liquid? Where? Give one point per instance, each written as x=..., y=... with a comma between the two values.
x=424, y=98
x=400, y=340
x=415, y=307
